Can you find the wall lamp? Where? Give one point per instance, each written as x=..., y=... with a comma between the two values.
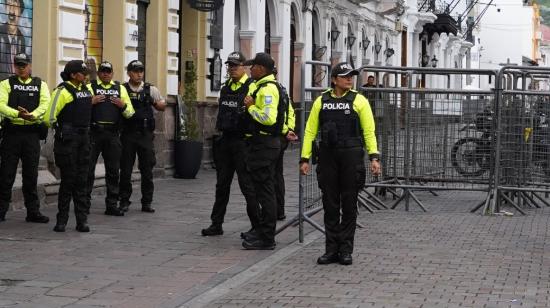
x=389, y=52
x=434, y=61
x=377, y=47
x=351, y=40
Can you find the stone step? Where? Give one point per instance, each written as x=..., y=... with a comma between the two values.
x=48, y=187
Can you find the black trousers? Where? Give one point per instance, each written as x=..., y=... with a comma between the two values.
x=341, y=173
x=107, y=143
x=138, y=143
x=25, y=146
x=279, y=178
x=262, y=153
x=72, y=156
x=230, y=156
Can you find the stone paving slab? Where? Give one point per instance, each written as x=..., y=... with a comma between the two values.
x=140, y=260
x=444, y=258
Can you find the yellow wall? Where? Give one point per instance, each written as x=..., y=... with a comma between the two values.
x=44, y=51
x=193, y=36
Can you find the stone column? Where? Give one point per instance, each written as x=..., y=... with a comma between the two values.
x=298, y=60
x=247, y=42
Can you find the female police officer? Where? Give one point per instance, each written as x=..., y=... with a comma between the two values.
x=347, y=126
x=69, y=113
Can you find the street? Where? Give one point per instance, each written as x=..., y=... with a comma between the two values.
x=446, y=257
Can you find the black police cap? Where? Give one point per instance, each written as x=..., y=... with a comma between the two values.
x=21, y=59
x=135, y=65
x=105, y=66
x=263, y=59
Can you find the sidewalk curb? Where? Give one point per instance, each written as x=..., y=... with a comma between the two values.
x=223, y=288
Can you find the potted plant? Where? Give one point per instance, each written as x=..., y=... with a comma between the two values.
x=188, y=145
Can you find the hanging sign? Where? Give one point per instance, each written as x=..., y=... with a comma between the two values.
x=206, y=5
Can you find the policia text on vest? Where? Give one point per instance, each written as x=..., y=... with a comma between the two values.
x=69, y=113
x=111, y=104
x=230, y=148
x=23, y=101
x=346, y=125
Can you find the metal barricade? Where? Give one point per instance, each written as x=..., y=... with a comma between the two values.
x=431, y=138
x=309, y=202
x=523, y=144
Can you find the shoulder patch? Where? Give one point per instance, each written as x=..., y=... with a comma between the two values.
x=268, y=99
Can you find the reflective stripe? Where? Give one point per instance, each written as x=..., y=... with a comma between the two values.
x=54, y=103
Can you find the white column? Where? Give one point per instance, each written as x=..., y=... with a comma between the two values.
x=308, y=41
x=284, y=49
x=258, y=24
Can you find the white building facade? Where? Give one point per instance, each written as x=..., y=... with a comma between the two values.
x=382, y=33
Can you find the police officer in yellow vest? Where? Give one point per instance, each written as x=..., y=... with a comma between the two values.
x=111, y=104
x=230, y=148
x=347, y=127
x=69, y=113
x=265, y=116
x=23, y=101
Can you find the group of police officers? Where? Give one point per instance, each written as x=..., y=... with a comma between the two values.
x=90, y=117
x=256, y=121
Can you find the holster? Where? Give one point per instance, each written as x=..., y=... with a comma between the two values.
x=314, y=152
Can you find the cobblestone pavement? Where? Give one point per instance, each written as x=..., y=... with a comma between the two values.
x=444, y=258
x=140, y=260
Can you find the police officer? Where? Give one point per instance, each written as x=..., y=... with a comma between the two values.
x=111, y=104
x=347, y=127
x=137, y=137
x=69, y=113
x=265, y=118
x=23, y=101
x=229, y=151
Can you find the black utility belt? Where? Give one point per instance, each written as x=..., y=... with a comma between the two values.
x=78, y=130
x=353, y=143
x=140, y=124
x=105, y=126
x=34, y=128
x=233, y=135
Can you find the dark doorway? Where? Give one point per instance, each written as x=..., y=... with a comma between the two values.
x=142, y=29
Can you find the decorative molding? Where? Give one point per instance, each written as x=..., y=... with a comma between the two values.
x=173, y=21
x=131, y=11
x=247, y=34
x=73, y=4
x=299, y=45
x=276, y=39
x=68, y=52
x=132, y=35
x=71, y=26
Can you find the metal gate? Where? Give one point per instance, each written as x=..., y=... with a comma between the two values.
x=309, y=202
x=435, y=137
x=431, y=137
x=523, y=143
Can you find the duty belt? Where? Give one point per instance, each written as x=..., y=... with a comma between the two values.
x=349, y=143
x=21, y=128
x=105, y=126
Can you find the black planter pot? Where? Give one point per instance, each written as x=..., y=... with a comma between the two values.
x=188, y=157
